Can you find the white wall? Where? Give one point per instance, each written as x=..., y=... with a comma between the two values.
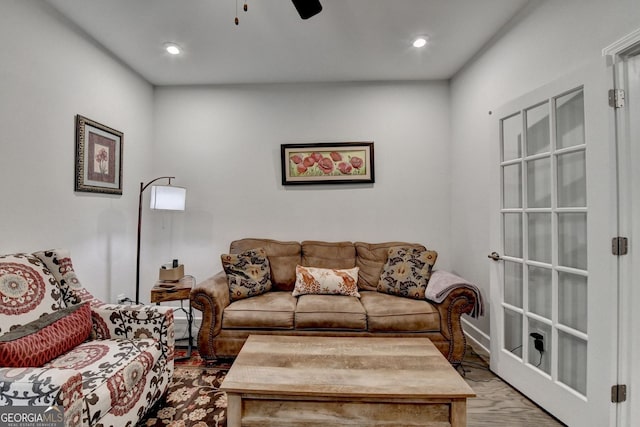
x=548, y=40
x=49, y=72
x=223, y=144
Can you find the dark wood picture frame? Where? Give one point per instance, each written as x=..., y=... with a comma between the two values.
x=327, y=163
x=98, y=157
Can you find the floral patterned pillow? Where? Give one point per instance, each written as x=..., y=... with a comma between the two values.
x=407, y=272
x=313, y=280
x=248, y=273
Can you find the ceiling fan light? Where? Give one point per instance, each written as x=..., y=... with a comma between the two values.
x=172, y=49
x=420, y=42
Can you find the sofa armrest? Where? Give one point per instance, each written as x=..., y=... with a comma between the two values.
x=458, y=302
x=135, y=321
x=210, y=297
x=41, y=387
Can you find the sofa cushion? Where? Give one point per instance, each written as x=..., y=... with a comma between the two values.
x=312, y=280
x=273, y=310
x=371, y=257
x=248, y=273
x=28, y=290
x=328, y=254
x=388, y=313
x=58, y=261
x=283, y=258
x=46, y=338
x=117, y=375
x=407, y=272
x=338, y=312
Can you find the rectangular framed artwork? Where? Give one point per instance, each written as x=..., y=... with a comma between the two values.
x=327, y=163
x=98, y=157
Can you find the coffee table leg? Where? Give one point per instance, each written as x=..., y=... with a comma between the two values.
x=459, y=413
x=234, y=410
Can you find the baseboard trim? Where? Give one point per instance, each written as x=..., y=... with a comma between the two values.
x=478, y=337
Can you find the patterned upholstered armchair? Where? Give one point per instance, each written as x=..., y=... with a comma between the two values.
x=105, y=364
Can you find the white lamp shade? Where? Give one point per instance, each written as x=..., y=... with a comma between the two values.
x=168, y=197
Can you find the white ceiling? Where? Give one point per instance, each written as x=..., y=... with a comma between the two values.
x=350, y=40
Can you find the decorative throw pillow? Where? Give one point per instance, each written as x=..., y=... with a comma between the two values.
x=248, y=273
x=42, y=340
x=58, y=261
x=313, y=280
x=27, y=290
x=407, y=272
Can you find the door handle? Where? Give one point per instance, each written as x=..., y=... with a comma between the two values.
x=494, y=256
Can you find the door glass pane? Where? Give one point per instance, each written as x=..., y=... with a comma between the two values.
x=513, y=235
x=512, y=182
x=540, y=359
x=539, y=237
x=572, y=180
x=538, y=138
x=539, y=183
x=512, y=138
x=570, y=119
x=513, y=332
x=540, y=291
x=572, y=362
x=513, y=283
x=572, y=301
x=572, y=240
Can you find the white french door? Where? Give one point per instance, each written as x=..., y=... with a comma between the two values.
x=554, y=286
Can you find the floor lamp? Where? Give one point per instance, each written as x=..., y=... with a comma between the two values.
x=163, y=197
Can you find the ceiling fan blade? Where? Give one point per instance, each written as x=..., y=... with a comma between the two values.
x=307, y=8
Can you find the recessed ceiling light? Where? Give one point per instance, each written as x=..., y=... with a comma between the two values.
x=172, y=48
x=420, y=42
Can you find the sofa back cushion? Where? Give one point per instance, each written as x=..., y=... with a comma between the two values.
x=283, y=258
x=336, y=255
x=371, y=258
x=28, y=291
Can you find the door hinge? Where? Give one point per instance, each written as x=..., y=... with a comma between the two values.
x=618, y=393
x=616, y=98
x=619, y=246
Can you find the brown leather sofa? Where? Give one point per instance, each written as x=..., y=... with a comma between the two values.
x=226, y=325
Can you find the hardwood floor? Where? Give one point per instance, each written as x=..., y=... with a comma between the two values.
x=497, y=403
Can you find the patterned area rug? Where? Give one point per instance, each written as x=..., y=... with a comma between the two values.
x=193, y=398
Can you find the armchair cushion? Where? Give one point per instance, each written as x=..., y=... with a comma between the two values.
x=117, y=376
x=44, y=339
x=407, y=272
x=43, y=387
x=248, y=273
x=27, y=291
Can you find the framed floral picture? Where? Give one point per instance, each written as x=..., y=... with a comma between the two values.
x=98, y=157
x=327, y=163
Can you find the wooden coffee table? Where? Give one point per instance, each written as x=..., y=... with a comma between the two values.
x=288, y=381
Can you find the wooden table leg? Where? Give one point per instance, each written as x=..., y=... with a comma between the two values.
x=459, y=413
x=234, y=410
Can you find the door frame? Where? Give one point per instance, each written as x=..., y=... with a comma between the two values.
x=629, y=341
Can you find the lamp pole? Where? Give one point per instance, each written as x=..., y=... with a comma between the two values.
x=143, y=187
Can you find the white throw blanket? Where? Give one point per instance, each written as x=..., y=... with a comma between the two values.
x=442, y=283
